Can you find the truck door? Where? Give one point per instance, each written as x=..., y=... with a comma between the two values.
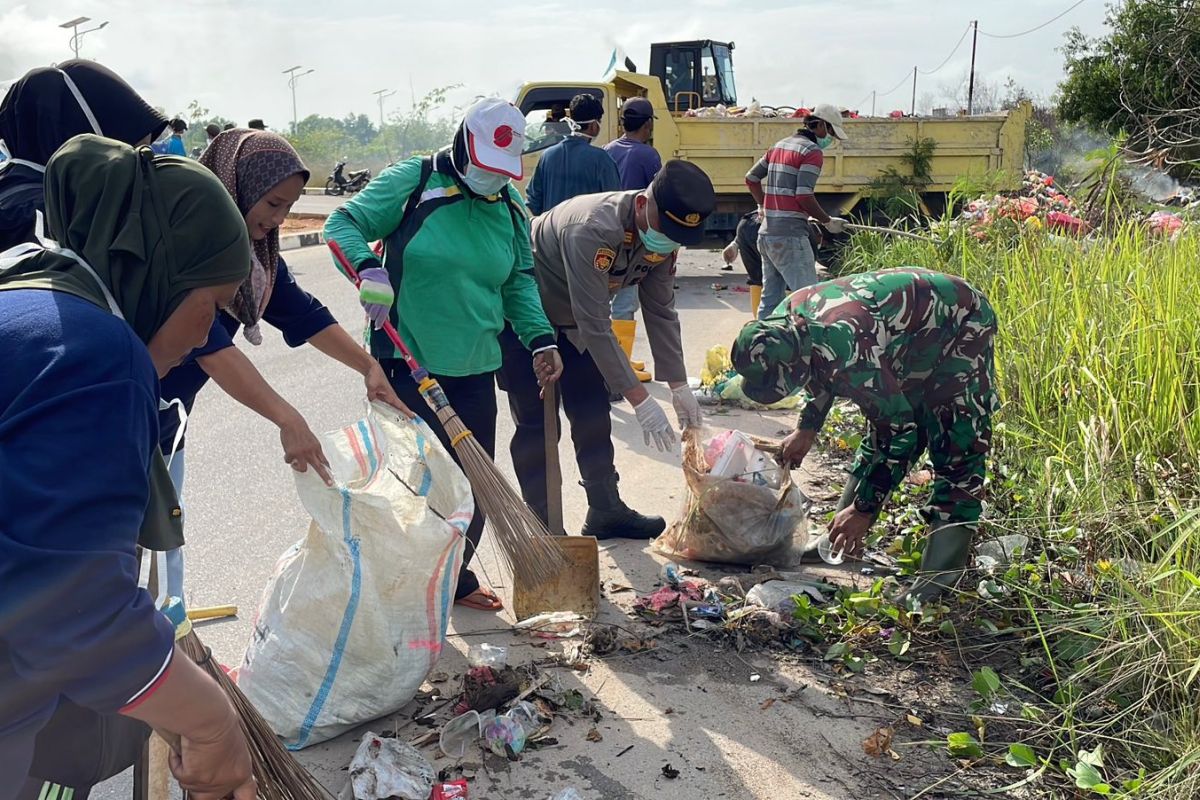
x=545, y=110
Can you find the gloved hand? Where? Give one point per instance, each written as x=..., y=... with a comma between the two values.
x=686, y=407
x=836, y=225
x=655, y=425
x=375, y=293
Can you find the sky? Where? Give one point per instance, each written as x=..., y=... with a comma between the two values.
x=229, y=54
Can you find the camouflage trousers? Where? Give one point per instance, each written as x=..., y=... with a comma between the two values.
x=956, y=427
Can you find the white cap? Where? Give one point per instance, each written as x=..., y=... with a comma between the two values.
x=827, y=112
x=496, y=136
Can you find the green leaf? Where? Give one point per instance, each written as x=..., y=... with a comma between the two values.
x=963, y=745
x=1020, y=755
x=1094, y=757
x=986, y=682
x=836, y=651
x=1088, y=777
x=900, y=642
x=946, y=628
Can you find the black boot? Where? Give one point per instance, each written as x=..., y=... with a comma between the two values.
x=609, y=518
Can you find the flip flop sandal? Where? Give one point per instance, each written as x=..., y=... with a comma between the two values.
x=482, y=600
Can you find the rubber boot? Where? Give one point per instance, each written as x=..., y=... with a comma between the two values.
x=755, y=299
x=946, y=552
x=609, y=518
x=626, y=330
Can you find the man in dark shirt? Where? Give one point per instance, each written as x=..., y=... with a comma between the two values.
x=638, y=163
x=573, y=167
x=745, y=244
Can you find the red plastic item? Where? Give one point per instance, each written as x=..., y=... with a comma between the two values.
x=1058, y=221
x=453, y=790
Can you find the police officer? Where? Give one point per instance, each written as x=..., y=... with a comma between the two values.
x=914, y=350
x=585, y=251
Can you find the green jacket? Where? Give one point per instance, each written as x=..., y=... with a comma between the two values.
x=467, y=269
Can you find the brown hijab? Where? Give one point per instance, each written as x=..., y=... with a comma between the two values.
x=249, y=164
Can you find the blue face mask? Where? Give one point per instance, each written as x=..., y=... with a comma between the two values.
x=824, y=142
x=657, y=242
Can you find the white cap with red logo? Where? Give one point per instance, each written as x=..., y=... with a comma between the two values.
x=496, y=136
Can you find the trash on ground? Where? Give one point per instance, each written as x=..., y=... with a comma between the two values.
x=735, y=519
x=388, y=768
x=670, y=772
x=450, y=790
x=484, y=688
x=553, y=625
x=487, y=655
x=504, y=736
x=780, y=595
x=567, y=794
x=459, y=734
x=720, y=384
x=1000, y=551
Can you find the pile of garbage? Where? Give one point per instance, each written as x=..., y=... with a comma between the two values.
x=1040, y=203
x=720, y=384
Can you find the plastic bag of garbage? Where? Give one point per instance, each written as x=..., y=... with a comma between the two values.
x=734, y=520
x=385, y=768
x=355, y=615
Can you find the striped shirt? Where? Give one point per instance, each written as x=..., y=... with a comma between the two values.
x=787, y=172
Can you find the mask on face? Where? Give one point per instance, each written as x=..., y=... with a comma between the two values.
x=482, y=182
x=657, y=242
x=824, y=142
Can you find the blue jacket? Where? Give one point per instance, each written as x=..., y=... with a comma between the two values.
x=78, y=426
x=570, y=168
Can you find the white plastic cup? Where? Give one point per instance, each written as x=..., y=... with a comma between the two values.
x=825, y=551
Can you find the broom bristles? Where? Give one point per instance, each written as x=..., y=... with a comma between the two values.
x=278, y=774
x=530, y=550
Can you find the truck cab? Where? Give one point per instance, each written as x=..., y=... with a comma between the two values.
x=694, y=74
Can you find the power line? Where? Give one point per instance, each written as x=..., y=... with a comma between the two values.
x=1031, y=30
x=904, y=80
x=946, y=60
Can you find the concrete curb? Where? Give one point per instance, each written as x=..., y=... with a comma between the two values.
x=294, y=241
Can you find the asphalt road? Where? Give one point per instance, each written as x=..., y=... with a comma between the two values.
x=317, y=204
x=690, y=706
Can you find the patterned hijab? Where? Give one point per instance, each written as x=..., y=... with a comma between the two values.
x=773, y=356
x=250, y=163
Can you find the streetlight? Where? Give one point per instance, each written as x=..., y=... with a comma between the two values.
x=294, y=76
x=381, y=94
x=77, y=34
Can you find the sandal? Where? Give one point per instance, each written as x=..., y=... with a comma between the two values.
x=482, y=599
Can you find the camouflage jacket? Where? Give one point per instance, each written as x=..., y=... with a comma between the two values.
x=895, y=342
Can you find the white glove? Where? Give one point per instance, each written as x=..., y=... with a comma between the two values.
x=836, y=225
x=686, y=407
x=655, y=426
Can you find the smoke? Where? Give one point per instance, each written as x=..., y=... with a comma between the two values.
x=1153, y=184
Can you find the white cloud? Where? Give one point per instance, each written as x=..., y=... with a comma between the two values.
x=229, y=55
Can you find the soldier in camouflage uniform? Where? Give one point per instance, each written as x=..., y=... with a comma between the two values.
x=913, y=348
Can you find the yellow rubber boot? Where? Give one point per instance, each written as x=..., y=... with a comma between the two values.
x=755, y=297
x=625, y=330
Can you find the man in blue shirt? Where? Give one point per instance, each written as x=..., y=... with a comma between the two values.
x=573, y=167
x=173, y=144
x=638, y=163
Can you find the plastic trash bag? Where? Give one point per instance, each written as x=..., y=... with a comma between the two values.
x=386, y=768
x=735, y=520
x=355, y=615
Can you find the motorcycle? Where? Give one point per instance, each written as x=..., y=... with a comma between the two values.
x=339, y=183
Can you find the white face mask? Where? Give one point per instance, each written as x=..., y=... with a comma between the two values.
x=482, y=182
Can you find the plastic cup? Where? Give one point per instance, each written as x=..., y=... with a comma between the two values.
x=825, y=551
x=459, y=734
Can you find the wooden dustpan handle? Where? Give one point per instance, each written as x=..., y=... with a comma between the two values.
x=553, y=470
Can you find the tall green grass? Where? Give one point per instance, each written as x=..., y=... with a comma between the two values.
x=1098, y=365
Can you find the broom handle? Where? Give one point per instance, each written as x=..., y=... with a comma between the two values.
x=554, y=512
x=418, y=372
x=889, y=231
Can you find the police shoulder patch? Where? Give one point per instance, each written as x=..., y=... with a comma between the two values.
x=655, y=258
x=603, y=260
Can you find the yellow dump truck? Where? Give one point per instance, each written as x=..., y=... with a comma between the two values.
x=698, y=76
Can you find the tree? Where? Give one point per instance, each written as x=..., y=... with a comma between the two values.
x=1142, y=79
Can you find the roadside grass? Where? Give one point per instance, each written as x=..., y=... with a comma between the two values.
x=1092, y=634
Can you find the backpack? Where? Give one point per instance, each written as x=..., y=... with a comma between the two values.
x=21, y=196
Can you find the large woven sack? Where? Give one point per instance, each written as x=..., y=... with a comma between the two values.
x=355, y=615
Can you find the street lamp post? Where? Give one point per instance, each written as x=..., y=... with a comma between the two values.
x=76, y=34
x=293, y=76
x=382, y=94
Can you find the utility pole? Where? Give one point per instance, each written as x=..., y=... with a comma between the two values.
x=294, y=76
x=914, y=97
x=971, y=84
x=872, y=102
x=381, y=95
x=76, y=34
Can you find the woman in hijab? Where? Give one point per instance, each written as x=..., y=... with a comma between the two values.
x=153, y=248
x=264, y=176
x=458, y=234
x=43, y=110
